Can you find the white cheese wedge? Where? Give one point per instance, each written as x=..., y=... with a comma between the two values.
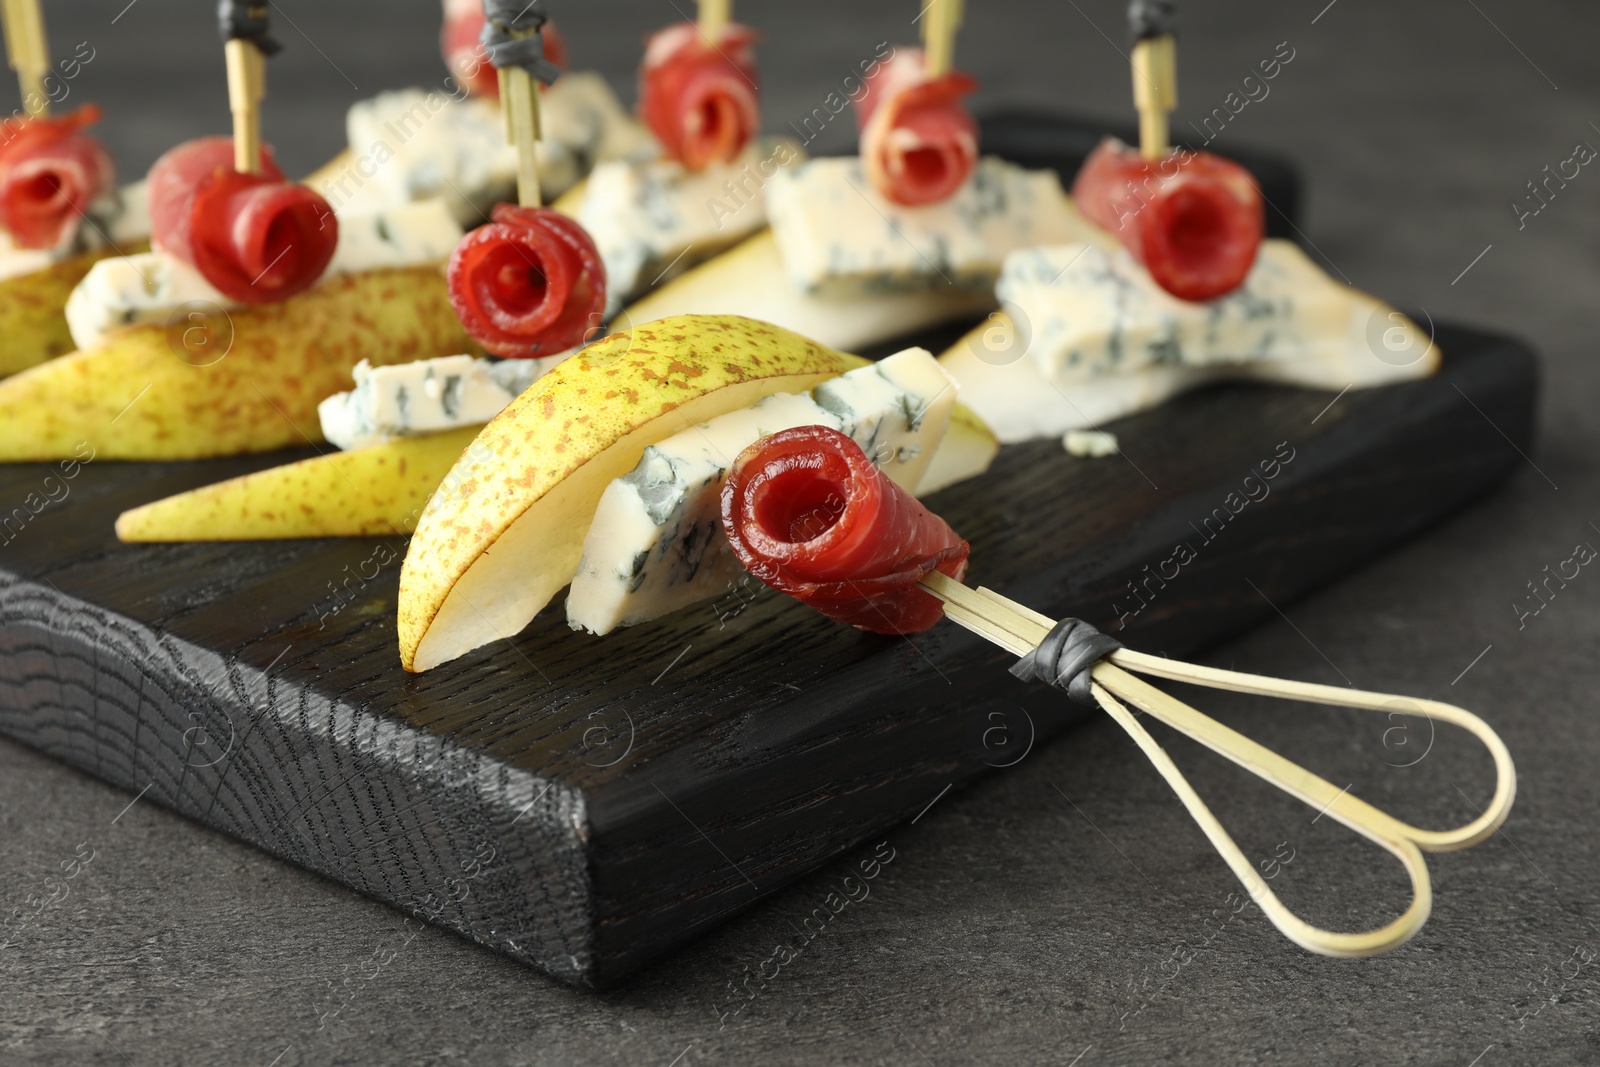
x=153, y=287
x=396, y=236
x=837, y=234
x=1087, y=337
x=654, y=219
x=16, y=261
x=656, y=543
x=413, y=144
x=425, y=396
x=132, y=290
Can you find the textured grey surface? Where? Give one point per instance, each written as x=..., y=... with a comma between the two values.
x=1014, y=924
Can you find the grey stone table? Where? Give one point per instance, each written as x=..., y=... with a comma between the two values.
x=1064, y=910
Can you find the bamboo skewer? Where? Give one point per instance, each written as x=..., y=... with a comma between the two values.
x=522, y=113
x=247, y=87
x=714, y=18
x=1020, y=630
x=519, y=104
x=27, y=52
x=940, y=21
x=1155, y=92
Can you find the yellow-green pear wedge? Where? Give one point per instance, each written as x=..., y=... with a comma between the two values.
x=33, y=322
x=570, y=201
x=325, y=179
x=966, y=451
x=506, y=533
x=370, y=492
x=245, y=381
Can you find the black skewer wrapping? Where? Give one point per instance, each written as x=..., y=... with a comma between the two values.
x=1152, y=18
x=1065, y=658
x=246, y=20
x=506, y=23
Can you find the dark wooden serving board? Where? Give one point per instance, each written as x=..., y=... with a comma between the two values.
x=585, y=805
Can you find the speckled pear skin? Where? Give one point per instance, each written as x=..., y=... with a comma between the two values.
x=370, y=492
x=248, y=381
x=506, y=533
x=33, y=322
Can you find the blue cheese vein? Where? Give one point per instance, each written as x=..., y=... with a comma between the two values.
x=838, y=235
x=651, y=218
x=423, y=397
x=656, y=542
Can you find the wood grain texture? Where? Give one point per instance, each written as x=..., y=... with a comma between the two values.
x=585, y=805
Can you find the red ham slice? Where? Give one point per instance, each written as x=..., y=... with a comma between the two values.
x=257, y=237
x=1195, y=220
x=698, y=99
x=529, y=284
x=172, y=181
x=50, y=172
x=918, y=142
x=809, y=514
x=458, y=40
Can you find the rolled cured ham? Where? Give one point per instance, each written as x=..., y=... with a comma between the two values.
x=919, y=144
x=50, y=172
x=809, y=514
x=258, y=238
x=697, y=97
x=529, y=284
x=465, y=56
x=1195, y=220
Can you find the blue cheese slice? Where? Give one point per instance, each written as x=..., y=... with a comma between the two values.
x=656, y=543
x=1087, y=336
x=126, y=291
x=1093, y=312
x=838, y=235
x=655, y=219
x=395, y=236
x=413, y=144
x=423, y=397
x=149, y=287
x=749, y=280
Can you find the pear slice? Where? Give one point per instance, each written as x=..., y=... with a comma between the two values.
x=506, y=533
x=371, y=492
x=570, y=201
x=33, y=326
x=222, y=384
x=381, y=490
x=967, y=450
x=749, y=279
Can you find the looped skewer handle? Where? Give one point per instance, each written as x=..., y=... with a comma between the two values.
x=1291, y=777
x=1021, y=630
